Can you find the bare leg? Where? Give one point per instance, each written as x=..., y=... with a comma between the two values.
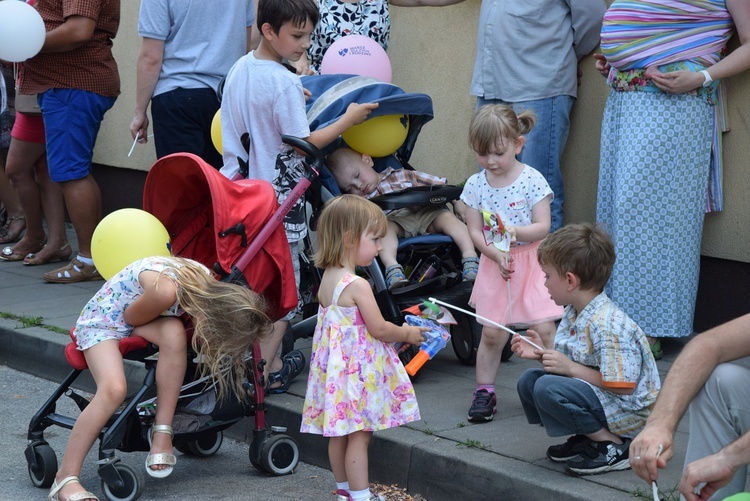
x=449, y=224
x=546, y=331
x=168, y=334
x=105, y=362
x=53, y=207
x=84, y=202
x=9, y=196
x=24, y=159
x=390, y=244
x=604, y=435
x=356, y=463
x=489, y=353
x=337, y=457
x=269, y=347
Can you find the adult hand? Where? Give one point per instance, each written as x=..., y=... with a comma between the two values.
x=602, y=66
x=644, y=449
x=139, y=127
x=712, y=470
x=676, y=82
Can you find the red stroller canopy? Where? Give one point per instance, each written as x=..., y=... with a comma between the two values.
x=213, y=220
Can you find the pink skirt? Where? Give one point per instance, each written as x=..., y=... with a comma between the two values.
x=521, y=301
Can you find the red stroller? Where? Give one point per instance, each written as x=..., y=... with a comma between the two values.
x=235, y=229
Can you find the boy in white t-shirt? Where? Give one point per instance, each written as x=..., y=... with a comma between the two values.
x=264, y=100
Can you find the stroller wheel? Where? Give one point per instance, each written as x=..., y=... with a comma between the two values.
x=132, y=484
x=465, y=337
x=279, y=455
x=42, y=466
x=205, y=446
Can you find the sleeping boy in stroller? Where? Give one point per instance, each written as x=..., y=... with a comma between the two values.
x=355, y=173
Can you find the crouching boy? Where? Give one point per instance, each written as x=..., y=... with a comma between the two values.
x=599, y=380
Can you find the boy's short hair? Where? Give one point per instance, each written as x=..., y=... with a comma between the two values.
x=585, y=250
x=279, y=12
x=340, y=157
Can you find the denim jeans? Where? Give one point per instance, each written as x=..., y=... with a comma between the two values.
x=182, y=123
x=563, y=405
x=545, y=143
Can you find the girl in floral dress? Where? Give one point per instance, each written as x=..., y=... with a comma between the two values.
x=144, y=300
x=357, y=383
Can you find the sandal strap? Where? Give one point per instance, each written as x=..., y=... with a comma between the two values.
x=162, y=428
x=395, y=271
x=75, y=497
x=161, y=458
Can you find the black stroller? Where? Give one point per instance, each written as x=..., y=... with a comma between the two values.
x=234, y=228
x=331, y=94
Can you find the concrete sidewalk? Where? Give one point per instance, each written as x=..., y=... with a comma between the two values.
x=442, y=457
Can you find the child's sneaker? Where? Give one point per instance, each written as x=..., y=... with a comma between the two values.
x=600, y=457
x=483, y=408
x=569, y=450
x=342, y=495
x=470, y=268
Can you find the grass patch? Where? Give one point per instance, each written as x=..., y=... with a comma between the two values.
x=25, y=322
x=475, y=444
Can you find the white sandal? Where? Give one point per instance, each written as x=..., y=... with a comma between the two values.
x=78, y=496
x=161, y=458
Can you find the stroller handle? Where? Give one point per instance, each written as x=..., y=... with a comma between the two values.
x=308, y=148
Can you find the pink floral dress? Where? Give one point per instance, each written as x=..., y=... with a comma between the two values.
x=356, y=383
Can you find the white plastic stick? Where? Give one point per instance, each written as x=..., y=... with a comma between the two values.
x=500, y=326
x=654, y=487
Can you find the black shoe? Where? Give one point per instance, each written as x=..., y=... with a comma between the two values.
x=600, y=457
x=483, y=408
x=569, y=450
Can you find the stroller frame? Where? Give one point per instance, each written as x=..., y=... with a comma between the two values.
x=271, y=450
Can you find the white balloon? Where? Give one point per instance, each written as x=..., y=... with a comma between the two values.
x=22, y=31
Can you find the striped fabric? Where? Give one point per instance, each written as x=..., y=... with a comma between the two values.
x=643, y=33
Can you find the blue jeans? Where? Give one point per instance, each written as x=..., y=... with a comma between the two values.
x=545, y=143
x=563, y=405
x=182, y=123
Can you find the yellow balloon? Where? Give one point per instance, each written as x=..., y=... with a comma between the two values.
x=379, y=136
x=127, y=235
x=216, y=131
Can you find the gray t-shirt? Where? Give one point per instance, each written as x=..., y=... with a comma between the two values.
x=529, y=49
x=202, y=39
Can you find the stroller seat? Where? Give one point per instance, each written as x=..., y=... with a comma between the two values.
x=131, y=348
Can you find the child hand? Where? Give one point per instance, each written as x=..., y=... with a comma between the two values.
x=307, y=93
x=358, y=113
x=556, y=362
x=526, y=350
x=414, y=335
x=506, y=265
x=513, y=232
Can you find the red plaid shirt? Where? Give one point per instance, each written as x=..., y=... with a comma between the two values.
x=90, y=67
x=395, y=180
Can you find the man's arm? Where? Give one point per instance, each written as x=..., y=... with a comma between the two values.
x=73, y=33
x=687, y=376
x=148, y=69
x=586, y=17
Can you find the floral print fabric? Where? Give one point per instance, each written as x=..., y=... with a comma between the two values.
x=356, y=383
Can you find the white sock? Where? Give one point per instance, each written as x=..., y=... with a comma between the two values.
x=343, y=486
x=85, y=260
x=360, y=495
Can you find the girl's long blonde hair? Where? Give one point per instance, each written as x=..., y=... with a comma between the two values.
x=494, y=122
x=343, y=221
x=227, y=320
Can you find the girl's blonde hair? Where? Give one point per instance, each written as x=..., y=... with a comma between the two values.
x=227, y=319
x=342, y=223
x=497, y=122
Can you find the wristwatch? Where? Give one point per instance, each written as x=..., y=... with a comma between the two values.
x=708, y=80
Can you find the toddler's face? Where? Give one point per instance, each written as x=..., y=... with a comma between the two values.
x=502, y=156
x=357, y=176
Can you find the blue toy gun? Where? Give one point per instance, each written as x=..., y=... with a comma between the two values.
x=437, y=338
